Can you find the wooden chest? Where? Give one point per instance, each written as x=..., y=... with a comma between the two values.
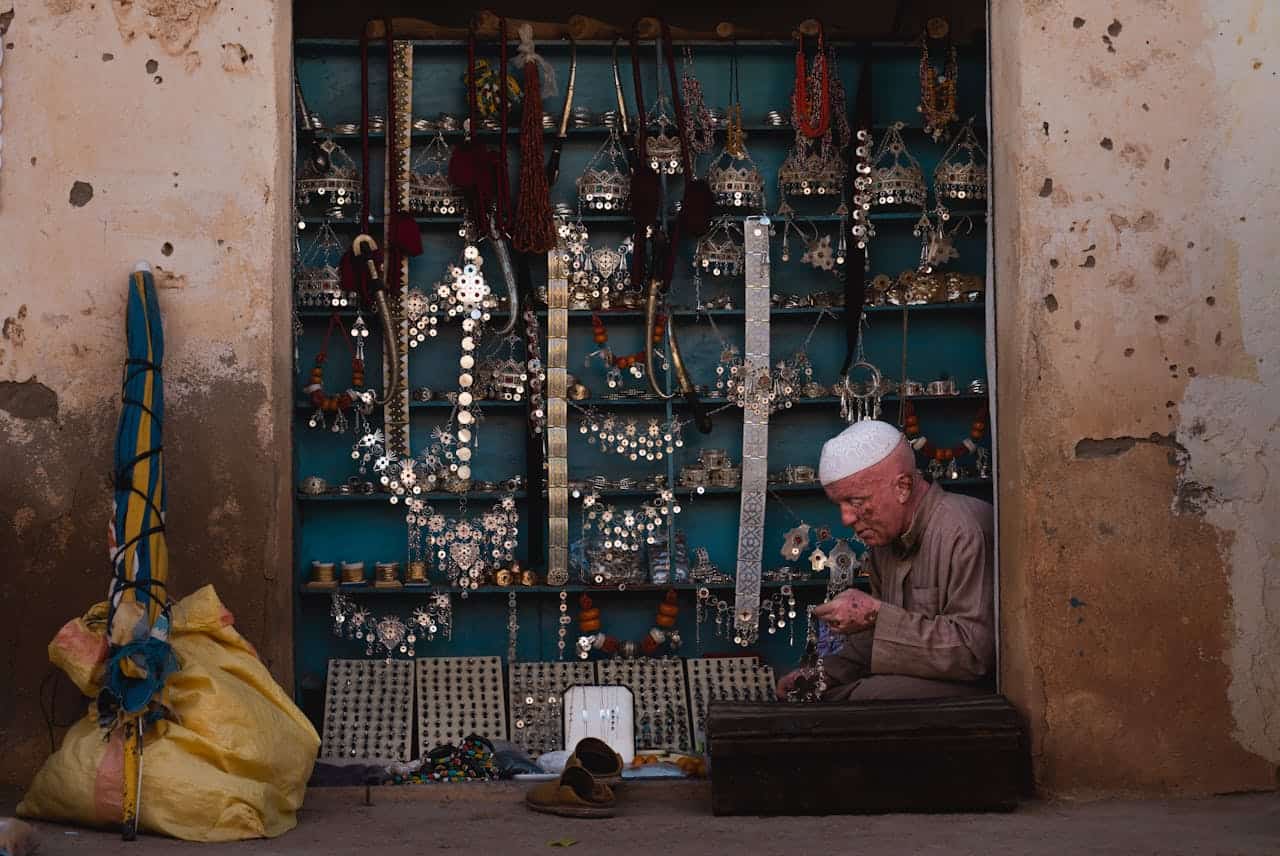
x=932, y=755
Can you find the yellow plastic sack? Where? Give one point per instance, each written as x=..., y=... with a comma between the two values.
x=233, y=765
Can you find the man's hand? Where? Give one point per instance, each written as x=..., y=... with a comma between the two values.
x=850, y=612
x=786, y=683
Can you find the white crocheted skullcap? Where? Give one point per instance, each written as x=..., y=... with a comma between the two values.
x=858, y=447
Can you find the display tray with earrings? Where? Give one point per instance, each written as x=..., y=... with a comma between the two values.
x=946, y=340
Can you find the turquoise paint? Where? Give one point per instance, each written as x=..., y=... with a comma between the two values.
x=943, y=339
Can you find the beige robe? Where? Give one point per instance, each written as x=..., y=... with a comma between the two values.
x=935, y=632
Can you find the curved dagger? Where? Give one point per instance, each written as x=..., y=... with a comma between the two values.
x=363, y=248
x=553, y=166
x=503, y=253
x=650, y=317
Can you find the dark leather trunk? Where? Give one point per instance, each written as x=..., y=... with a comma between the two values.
x=933, y=755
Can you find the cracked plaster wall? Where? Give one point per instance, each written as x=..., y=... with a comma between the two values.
x=129, y=133
x=1139, y=375
x=1137, y=345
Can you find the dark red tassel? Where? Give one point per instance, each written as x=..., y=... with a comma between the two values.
x=405, y=234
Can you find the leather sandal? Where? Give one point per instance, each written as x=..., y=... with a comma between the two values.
x=577, y=794
x=598, y=759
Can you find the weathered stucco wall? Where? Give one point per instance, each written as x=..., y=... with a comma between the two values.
x=1139, y=359
x=1139, y=373
x=158, y=130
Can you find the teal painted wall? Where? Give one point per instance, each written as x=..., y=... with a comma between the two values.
x=947, y=340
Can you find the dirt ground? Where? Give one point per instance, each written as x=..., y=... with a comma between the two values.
x=662, y=818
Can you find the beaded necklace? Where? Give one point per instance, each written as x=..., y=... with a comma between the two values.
x=354, y=397
x=810, y=81
x=937, y=91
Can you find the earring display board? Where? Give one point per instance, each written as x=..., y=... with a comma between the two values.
x=724, y=679
x=453, y=536
x=458, y=697
x=661, y=709
x=536, y=691
x=368, y=710
x=604, y=712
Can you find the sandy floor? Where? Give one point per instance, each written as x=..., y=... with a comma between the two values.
x=658, y=819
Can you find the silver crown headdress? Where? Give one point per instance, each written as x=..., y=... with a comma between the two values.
x=720, y=252
x=331, y=185
x=605, y=185
x=809, y=170
x=430, y=190
x=896, y=177
x=316, y=278
x=735, y=181
x=663, y=148
x=961, y=174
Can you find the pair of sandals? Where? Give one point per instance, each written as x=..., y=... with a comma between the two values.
x=585, y=787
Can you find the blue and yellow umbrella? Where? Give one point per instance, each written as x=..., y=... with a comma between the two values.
x=140, y=659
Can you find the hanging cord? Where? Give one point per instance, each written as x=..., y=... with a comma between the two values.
x=642, y=123
x=534, y=229
x=902, y=394
x=364, y=129
x=49, y=706
x=823, y=312
x=855, y=282
x=682, y=122
x=473, y=114
x=393, y=269
x=504, y=181
x=335, y=320
x=646, y=193
x=735, y=88
x=773, y=494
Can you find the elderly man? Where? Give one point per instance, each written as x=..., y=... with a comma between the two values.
x=927, y=629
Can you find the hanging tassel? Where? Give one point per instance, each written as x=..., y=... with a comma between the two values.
x=534, y=230
x=406, y=236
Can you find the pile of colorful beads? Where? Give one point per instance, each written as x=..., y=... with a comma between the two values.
x=469, y=761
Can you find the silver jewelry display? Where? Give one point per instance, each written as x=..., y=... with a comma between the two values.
x=795, y=541
x=961, y=174
x=613, y=537
x=809, y=170
x=395, y=412
x=736, y=181
x=430, y=191
x=368, y=708
x=317, y=282
x=863, y=229
x=599, y=277
x=458, y=697
x=466, y=550
x=755, y=439
x=557, y=436
x=605, y=184
x=627, y=438
x=860, y=400
x=659, y=687
x=724, y=679
x=896, y=177
x=513, y=626
x=719, y=252
x=842, y=563
x=389, y=636
x=330, y=188
x=663, y=146
x=535, y=693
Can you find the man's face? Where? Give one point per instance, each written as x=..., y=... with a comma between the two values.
x=873, y=503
